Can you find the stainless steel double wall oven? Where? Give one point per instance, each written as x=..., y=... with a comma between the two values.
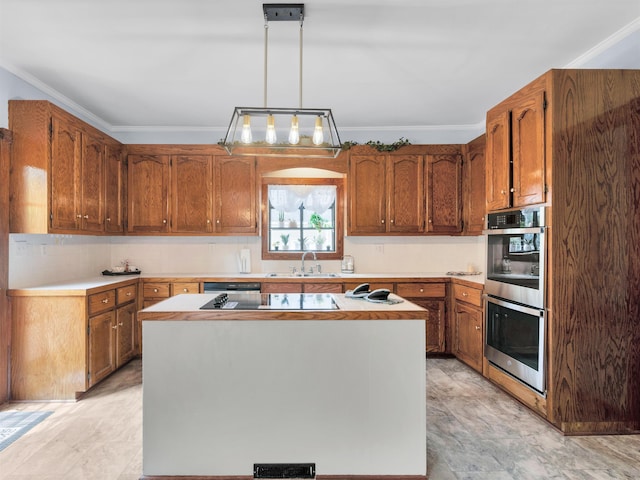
x=515, y=334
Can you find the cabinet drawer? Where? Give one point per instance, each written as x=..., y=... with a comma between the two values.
x=156, y=290
x=185, y=287
x=469, y=295
x=420, y=290
x=99, y=302
x=126, y=294
x=372, y=285
x=281, y=288
x=322, y=288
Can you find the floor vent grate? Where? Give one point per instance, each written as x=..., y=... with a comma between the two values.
x=284, y=470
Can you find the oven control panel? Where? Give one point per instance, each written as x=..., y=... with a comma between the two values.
x=524, y=218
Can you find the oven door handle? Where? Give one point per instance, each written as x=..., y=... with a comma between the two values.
x=514, y=306
x=514, y=231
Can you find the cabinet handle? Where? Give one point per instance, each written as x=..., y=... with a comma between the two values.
x=465, y=294
x=78, y=216
x=164, y=221
x=185, y=290
x=512, y=190
x=86, y=217
x=120, y=324
x=392, y=220
x=217, y=221
x=430, y=221
x=477, y=327
x=382, y=221
x=129, y=294
x=155, y=290
x=105, y=300
x=109, y=219
x=503, y=192
x=208, y=221
x=114, y=327
x=422, y=290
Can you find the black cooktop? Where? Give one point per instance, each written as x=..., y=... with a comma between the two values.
x=271, y=301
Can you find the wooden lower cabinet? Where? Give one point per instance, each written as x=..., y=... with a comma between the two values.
x=101, y=346
x=432, y=297
x=468, y=321
x=63, y=344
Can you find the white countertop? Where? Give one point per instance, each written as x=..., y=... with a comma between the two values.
x=82, y=285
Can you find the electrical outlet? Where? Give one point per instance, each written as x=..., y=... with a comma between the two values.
x=379, y=248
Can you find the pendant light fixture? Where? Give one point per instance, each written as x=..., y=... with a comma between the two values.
x=282, y=132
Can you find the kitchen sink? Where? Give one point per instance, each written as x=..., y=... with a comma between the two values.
x=306, y=275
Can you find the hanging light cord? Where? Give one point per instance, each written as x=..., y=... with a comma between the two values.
x=300, y=79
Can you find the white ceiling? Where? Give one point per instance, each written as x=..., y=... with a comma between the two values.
x=384, y=67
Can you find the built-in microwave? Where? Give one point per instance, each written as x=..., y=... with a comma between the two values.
x=516, y=256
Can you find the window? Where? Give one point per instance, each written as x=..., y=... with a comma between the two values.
x=302, y=215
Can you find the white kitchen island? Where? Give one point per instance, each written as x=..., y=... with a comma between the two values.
x=226, y=389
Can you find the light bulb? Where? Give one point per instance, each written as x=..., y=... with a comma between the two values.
x=245, y=136
x=318, y=136
x=271, y=137
x=294, y=134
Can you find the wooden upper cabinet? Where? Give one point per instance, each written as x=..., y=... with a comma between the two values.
x=66, y=148
x=406, y=193
x=515, y=157
x=367, y=194
x=527, y=122
x=498, y=161
x=192, y=193
x=473, y=191
x=92, y=184
x=409, y=192
x=58, y=171
x=444, y=193
x=148, y=189
x=235, y=194
x=77, y=178
x=115, y=188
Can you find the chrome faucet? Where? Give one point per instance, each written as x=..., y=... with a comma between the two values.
x=302, y=266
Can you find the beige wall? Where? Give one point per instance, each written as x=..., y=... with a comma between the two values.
x=41, y=259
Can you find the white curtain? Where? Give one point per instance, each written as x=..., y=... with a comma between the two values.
x=288, y=198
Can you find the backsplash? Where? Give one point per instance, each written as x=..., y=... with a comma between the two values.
x=41, y=259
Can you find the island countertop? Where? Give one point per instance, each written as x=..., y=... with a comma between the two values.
x=187, y=307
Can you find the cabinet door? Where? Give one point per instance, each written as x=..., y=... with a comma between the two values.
x=115, y=175
x=192, y=193
x=468, y=341
x=125, y=341
x=474, y=188
x=367, y=194
x=92, y=184
x=148, y=193
x=435, y=324
x=406, y=193
x=498, y=161
x=235, y=187
x=528, y=151
x=65, y=175
x=102, y=331
x=444, y=199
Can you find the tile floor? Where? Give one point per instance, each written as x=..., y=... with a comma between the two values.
x=474, y=432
